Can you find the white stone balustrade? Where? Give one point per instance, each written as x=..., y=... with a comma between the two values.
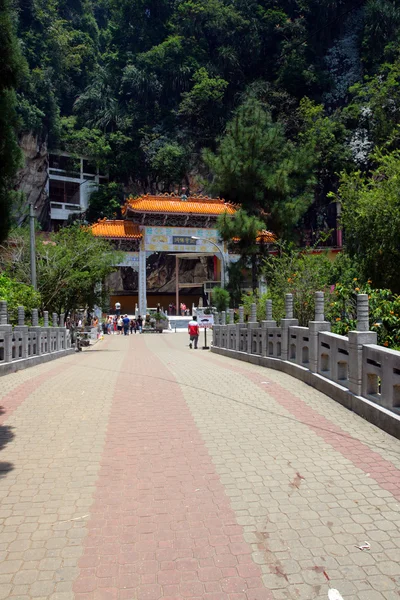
x=20, y=344
x=351, y=369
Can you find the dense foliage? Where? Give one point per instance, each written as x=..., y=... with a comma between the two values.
x=296, y=90
x=371, y=218
x=12, y=66
x=18, y=294
x=302, y=274
x=71, y=266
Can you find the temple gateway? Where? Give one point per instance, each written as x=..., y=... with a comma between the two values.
x=172, y=252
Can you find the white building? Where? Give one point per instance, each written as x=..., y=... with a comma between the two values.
x=71, y=182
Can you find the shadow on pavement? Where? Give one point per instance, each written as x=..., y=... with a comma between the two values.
x=6, y=436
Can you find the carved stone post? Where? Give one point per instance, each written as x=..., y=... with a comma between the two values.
x=223, y=336
x=287, y=322
x=252, y=324
x=6, y=329
x=357, y=339
x=21, y=333
x=269, y=322
x=55, y=320
x=35, y=333
x=319, y=324
x=35, y=317
x=45, y=334
x=239, y=326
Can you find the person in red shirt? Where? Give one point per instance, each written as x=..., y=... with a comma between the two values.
x=193, y=330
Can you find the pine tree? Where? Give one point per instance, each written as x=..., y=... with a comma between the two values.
x=257, y=167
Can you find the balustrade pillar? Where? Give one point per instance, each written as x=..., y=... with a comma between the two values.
x=357, y=339
x=319, y=324
x=287, y=322
x=35, y=333
x=252, y=324
x=21, y=333
x=269, y=322
x=239, y=327
x=6, y=329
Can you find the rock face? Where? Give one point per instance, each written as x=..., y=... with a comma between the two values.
x=32, y=179
x=161, y=274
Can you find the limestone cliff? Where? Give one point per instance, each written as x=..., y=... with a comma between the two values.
x=32, y=179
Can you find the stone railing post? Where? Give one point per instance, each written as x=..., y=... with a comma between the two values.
x=35, y=333
x=319, y=324
x=231, y=345
x=55, y=320
x=6, y=329
x=62, y=320
x=269, y=322
x=35, y=317
x=215, y=331
x=223, y=335
x=45, y=318
x=287, y=322
x=357, y=339
x=22, y=330
x=252, y=324
x=239, y=325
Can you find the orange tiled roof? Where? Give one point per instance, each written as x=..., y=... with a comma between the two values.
x=169, y=203
x=116, y=229
x=266, y=236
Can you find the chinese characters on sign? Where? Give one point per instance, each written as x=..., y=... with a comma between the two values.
x=185, y=240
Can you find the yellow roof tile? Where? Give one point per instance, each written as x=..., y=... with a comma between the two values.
x=116, y=229
x=194, y=205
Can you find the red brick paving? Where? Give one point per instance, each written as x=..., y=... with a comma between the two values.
x=10, y=402
x=161, y=524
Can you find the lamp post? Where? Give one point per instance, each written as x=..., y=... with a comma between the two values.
x=193, y=237
x=32, y=245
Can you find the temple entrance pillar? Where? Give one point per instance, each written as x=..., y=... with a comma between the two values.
x=142, y=282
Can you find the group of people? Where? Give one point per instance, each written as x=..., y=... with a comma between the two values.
x=122, y=325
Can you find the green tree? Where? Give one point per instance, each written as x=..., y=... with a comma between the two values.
x=371, y=219
x=18, y=294
x=105, y=202
x=71, y=266
x=257, y=167
x=220, y=298
x=242, y=233
x=11, y=67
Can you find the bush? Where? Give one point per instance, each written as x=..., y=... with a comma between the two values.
x=18, y=294
x=220, y=298
x=384, y=311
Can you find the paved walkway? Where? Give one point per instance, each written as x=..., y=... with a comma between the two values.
x=142, y=470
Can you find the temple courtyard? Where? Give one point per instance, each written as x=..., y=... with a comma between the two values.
x=139, y=469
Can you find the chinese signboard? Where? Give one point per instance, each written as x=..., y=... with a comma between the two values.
x=185, y=240
x=179, y=239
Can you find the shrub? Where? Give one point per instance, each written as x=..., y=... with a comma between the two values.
x=18, y=294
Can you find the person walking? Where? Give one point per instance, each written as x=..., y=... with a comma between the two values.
x=125, y=323
x=194, y=331
x=132, y=326
x=119, y=325
x=140, y=323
